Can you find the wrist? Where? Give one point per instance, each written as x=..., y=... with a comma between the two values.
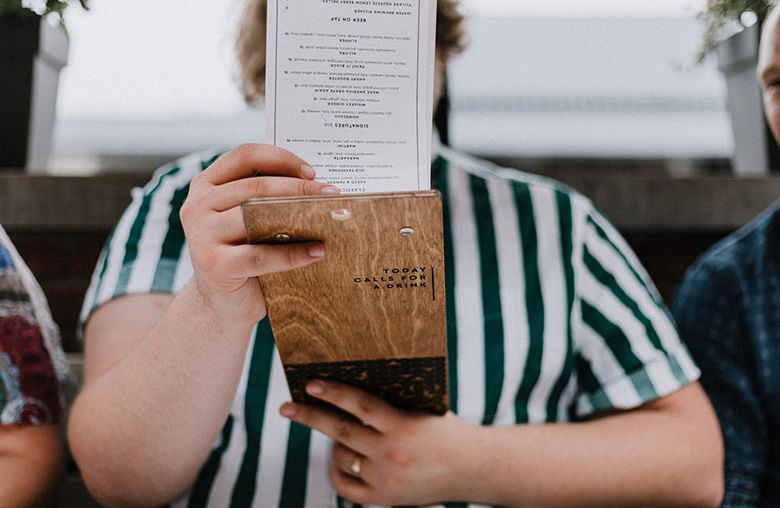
x=469, y=481
x=202, y=302
x=485, y=460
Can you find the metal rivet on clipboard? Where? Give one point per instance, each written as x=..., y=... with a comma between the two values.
x=282, y=238
x=407, y=232
x=341, y=215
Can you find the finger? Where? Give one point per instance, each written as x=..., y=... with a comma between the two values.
x=351, y=488
x=250, y=159
x=337, y=426
x=228, y=227
x=365, y=407
x=245, y=261
x=345, y=458
x=226, y=196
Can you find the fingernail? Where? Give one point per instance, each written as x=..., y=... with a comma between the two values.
x=317, y=251
x=315, y=388
x=288, y=410
x=330, y=189
x=308, y=172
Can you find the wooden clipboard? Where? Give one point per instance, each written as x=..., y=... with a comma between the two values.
x=372, y=313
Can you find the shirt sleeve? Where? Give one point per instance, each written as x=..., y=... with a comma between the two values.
x=710, y=314
x=627, y=349
x=147, y=252
x=35, y=381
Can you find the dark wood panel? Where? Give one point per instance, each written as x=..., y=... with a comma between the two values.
x=63, y=263
x=64, y=203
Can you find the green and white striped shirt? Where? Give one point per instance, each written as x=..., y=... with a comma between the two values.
x=550, y=318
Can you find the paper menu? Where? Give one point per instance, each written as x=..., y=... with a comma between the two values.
x=349, y=88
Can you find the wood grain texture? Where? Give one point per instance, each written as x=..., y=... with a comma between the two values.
x=377, y=295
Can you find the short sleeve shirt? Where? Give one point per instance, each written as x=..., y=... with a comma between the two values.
x=728, y=312
x=34, y=377
x=550, y=318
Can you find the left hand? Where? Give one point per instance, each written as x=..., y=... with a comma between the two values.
x=392, y=457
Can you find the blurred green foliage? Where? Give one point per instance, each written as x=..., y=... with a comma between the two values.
x=721, y=13
x=38, y=7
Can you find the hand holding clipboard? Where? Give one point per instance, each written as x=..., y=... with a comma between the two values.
x=372, y=313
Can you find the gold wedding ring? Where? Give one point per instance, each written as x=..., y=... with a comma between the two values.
x=355, y=467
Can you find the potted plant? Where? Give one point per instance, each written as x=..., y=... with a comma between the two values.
x=733, y=30
x=33, y=50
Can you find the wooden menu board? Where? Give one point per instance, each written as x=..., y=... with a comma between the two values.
x=372, y=313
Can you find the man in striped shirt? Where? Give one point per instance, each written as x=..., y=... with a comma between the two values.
x=569, y=384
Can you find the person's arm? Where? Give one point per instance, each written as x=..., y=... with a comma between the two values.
x=649, y=435
x=666, y=453
x=161, y=371
x=31, y=464
x=711, y=315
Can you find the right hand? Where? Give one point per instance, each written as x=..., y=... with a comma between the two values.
x=225, y=266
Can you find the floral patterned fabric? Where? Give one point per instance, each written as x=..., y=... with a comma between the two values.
x=34, y=376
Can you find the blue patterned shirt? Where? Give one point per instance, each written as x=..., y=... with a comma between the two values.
x=728, y=311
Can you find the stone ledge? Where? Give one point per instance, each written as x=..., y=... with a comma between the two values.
x=711, y=204
x=64, y=203
x=704, y=204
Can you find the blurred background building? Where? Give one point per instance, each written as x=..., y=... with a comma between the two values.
x=543, y=85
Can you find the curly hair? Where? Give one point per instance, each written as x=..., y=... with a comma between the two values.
x=250, y=42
